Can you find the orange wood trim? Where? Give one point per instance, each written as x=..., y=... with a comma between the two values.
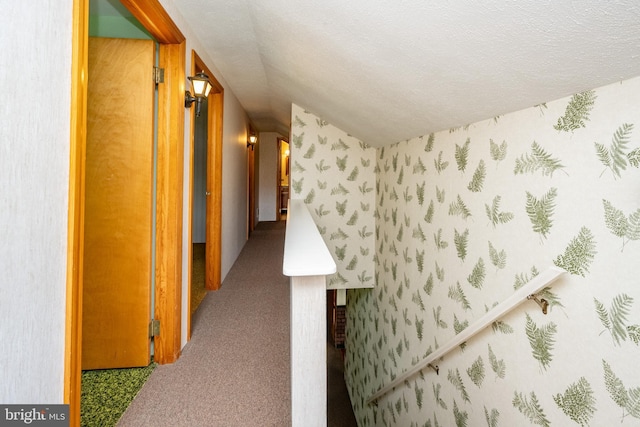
x=155, y=19
x=168, y=305
x=73, y=310
x=215, y=165
x=214, y=178
x=190, y=213
x=251, y=212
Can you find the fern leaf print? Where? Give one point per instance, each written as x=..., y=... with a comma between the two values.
x=462, y=155
x=477, y=181
x=439, y=164
x=456, y=293
x=498, y=259
x=310, y=152
x=615, y=319
x=619, y=393
x=497, y=152
x=530, y=409
x=579, y=253
x=577, y=402
x=540, y=211
x=459, y=416
x=615, y=158
x=297, y=122
x=497, y=366
x=455, y=379
x=297, y=185
x=297, y=140
x=459, y=208
x=577, y=112
x=428, y=217
x=494, y=214
x=541, y=341
x=461, y=241
x=476, y=372
x=539, y=159
x=476, y=278
x=491, y=418
x=621, y=226
x=429, y=145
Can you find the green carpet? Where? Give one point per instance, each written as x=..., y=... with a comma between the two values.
x=198, y=290
x=107, y=393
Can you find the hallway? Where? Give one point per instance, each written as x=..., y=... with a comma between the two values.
x=235, y=369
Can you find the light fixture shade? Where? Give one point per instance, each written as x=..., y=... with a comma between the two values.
x=252, y=139
x=200, y=85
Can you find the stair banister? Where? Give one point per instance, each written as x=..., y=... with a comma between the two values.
x=524, y=293
x=307, y=261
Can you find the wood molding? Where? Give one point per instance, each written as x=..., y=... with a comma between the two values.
x=169, y=192
x=75, y=219
x=214, y=175
x=155, y=19
x=215, y=165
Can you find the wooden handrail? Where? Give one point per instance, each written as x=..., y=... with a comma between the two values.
x=525, y=292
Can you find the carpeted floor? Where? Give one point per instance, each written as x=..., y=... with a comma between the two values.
x=235, y=369
x=107, y=393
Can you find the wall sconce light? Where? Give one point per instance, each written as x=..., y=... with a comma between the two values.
x=201, y=87
x=252, y=141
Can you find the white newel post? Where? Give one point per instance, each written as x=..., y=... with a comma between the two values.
x=307, y=261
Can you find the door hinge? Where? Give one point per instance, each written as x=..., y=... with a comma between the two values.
x=158, y=75
x=154, y=328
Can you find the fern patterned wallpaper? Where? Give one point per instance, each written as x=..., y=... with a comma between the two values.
x=335, y=175
x=462, y=218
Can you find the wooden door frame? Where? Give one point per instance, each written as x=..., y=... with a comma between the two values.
x=251, y=188
x=213, y=186
x=168, y=271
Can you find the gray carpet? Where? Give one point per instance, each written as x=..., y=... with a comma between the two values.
x=235, y=369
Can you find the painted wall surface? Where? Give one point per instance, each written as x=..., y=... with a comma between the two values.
x=34, y=186
x=334, y=174
x=117, y=26
x=199, y=214
x=267, y=175
x=464, y=217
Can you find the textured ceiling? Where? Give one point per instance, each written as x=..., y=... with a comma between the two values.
x=386, y=71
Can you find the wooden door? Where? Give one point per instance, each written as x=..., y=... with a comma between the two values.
x=118, y=204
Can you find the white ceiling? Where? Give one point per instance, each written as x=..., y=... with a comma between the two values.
x=389, y=70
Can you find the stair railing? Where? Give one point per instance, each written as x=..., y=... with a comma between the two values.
x=526, y=292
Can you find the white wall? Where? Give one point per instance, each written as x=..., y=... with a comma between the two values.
x=268, y=175
x=35, y=64
x=199, y=173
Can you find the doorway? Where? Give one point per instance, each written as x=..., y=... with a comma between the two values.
x=205, y=196
x=283, y=179
x=199, y=209
x=170, y=154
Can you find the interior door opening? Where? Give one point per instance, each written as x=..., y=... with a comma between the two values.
x=199, y=208
x=205, y=197
x=283, y=179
